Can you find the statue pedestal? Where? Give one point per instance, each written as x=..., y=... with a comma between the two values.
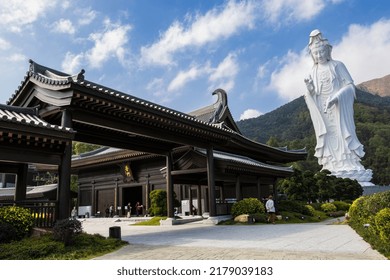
x=363, y=176
x=366, y=184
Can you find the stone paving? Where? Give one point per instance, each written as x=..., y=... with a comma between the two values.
x=200, y=241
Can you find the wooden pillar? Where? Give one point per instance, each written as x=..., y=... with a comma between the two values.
x=206, y=199
x=199, y=193
x=238, y=188
x=259, y=196
x=275, y=192
x=211, y=182
x=64, y=172
x=21, y=183
x=169, y=183
x=222, y=192
x=116, y=197
x=190, y=198
x=93, y=200
x=180, y=193
x=2, y=180
x=147, y=191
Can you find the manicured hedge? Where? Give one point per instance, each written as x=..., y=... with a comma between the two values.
x=247, y=206
x=328, y=207
x=19, y=218
x=294, y=206
x=370, y=217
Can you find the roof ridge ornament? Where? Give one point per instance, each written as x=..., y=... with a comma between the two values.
x=52, y=74
x=220, y=106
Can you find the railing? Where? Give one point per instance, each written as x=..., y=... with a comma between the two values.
x=224, y=208
x=43, y=212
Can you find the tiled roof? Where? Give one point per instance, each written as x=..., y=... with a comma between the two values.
x=48, y=76
x=243, y=160
x=220, y=128
x=31, y=192
x=27, y=116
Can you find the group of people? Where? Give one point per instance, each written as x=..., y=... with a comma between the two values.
x=138, y=210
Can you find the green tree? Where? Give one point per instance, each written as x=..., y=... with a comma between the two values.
x=81, y=147
x=273, y=142
x=325, y=186
x=158, y=202
x=309, y=187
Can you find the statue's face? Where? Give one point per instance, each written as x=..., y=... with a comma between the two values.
x=320, y=54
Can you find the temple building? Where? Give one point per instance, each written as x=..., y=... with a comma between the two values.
x=201, y=158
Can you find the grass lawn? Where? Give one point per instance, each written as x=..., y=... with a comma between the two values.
x=155, y=221
x=84, y=247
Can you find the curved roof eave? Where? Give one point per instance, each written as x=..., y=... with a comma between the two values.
x=225, y=139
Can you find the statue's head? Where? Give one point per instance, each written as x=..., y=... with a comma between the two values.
x=319, y=47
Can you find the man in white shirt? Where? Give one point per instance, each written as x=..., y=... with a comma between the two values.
x=270, y=207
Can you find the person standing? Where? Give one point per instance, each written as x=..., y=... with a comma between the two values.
x=270, y=207
x=111, y=211
x=74, y=213
x=138, y=208
x=128, y=210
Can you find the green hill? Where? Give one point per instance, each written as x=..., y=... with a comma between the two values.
x=290, y=125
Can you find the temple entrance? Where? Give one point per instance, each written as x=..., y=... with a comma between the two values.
x=105, y=199
x=132, y=195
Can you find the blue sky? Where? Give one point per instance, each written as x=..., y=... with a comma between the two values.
x=177, y=52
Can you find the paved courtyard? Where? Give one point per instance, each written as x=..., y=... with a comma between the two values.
x=199, y=241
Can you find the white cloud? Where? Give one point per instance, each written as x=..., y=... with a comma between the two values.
x=184, y=77
x=64, y=26
x=228, y=68
x=16, y=14
x=65, y=5
x=363, y=50
x=224, y=75
x=110, y=43
x=287, y=81
x=284, y=11
x=156, y=86
x=4, y=45
x=249, y=114
x=86, y=16
x=72, y=63
x=17, y=57
x=215, y=25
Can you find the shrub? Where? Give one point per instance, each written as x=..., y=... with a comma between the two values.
x=158, y=202
x=7, y=233
x=316, y=205
x=33, y=248
x=247, y=206
x=65, y=230
x=382, y=223
x=364, y=209
x=18, y=217
x=341, y=205
x=293, y=206
x=259, y=217
x=310, y=210
x=328, y=207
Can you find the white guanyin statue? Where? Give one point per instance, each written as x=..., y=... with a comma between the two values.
x=330, y=96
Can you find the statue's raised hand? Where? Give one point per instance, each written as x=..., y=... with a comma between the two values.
x=310, y=85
